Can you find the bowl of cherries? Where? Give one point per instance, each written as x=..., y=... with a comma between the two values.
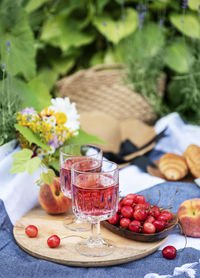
x=136, y=219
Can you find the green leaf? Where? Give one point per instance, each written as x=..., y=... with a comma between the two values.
x=33, y=164
x=85, y=138
x=101, y=4
x=194, y=4
x=140, y=45
x=48, y=77
x=23, y=161
x=115, y=30
x=47, y=177
x=63, y=64
x=25, y=93
x=41, y=92
x=21, y=59
x=187, y=24
x=178, y=57
x=31, y=136
x=62, y=32
x=33, y=5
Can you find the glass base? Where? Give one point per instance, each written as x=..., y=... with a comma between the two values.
x=72, y=223
x=98, y=248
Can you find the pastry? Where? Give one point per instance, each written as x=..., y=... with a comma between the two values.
x=192, y=156
x=173, y=166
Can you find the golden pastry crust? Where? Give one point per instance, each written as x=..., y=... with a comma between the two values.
x=192, y=156
x=173, y=166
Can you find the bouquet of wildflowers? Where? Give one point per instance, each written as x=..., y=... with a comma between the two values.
x=53, y=125
x=41, y=134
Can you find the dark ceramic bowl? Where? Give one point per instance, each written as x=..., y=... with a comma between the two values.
x=143, y=237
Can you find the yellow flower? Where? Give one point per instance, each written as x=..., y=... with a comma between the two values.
x=61, y=118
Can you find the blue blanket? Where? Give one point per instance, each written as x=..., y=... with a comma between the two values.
x=15, y=263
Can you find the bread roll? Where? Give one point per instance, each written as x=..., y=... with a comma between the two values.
x=192, y=156
x=173, y=166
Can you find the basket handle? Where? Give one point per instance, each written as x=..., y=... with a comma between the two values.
x=106, y=67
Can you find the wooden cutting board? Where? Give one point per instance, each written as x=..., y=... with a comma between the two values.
x=125, y=250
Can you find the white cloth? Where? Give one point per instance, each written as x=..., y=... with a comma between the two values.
x=20, y=193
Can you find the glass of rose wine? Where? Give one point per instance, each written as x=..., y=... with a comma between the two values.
x=68, y=155
x=94, y=199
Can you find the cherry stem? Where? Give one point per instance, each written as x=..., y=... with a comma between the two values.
x=170, y=203
x=159, y=196
x=181, y=231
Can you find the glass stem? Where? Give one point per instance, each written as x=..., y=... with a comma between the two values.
x=95, y=238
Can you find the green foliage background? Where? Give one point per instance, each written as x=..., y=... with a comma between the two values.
x=53, y=38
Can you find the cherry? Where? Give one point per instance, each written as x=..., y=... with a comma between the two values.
x=169, y=252
x=154, y=211
x=127, y=202
x=135, y=226
x=127, y=211
x=159, y=224
x=53, y=241
x=139, y=206
x=119, y=208
x=140, y=215
x=124, y=222
x=31, y=231
x=150, y=219
x=164, y=218
x=131, y=196
x=114, y=220
x=168, y=214
x=148, y=228
x=139, y=199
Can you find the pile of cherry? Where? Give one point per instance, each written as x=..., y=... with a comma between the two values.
x=137, y=215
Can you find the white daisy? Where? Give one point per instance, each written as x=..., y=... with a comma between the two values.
x=63, y=105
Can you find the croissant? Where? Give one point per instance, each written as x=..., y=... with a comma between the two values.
x=173, y=166
x=192, y=156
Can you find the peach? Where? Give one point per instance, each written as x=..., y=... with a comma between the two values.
x=52, y=199
x=189, y=217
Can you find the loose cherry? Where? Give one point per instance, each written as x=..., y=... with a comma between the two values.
x=124, y=222
x=135, y=226
x=148, y=228
x=114, y=220
x=127, y=211
x=163, y=218
x=31, y=231
x=53, y=241
x=169, y=252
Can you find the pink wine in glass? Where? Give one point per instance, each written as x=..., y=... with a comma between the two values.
x=65, y=172
x=95, y=196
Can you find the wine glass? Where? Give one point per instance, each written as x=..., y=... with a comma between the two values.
x=95, y=198
x=68, y=155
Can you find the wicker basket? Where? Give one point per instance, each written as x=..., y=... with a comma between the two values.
x=102, y=88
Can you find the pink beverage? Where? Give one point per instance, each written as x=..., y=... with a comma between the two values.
x=65, y=172
x=95, y=196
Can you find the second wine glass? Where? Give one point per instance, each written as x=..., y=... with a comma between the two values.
x=69, y=155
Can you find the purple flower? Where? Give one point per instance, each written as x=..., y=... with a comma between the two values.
x=28, y=110
x=121, y=2
x=138, y=8
x=160, y=22
x=199, y=7
x=123, y=17
x=184, y=4
x=55, y=142
x=104, y=23
x=144, y=7
x=182, y=20
x=3, y=65
x=8, y=43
